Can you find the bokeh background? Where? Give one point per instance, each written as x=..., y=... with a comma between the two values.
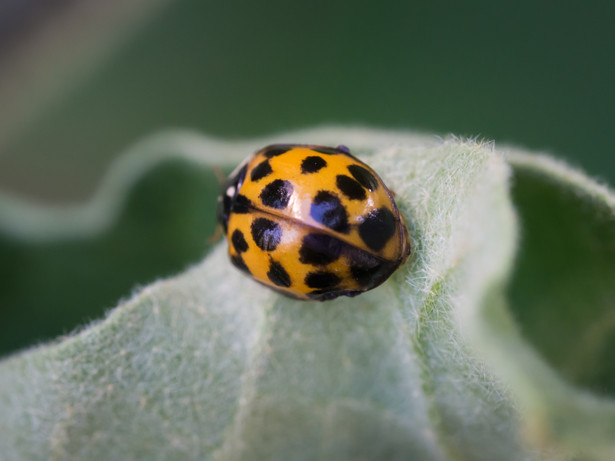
x=82, y=81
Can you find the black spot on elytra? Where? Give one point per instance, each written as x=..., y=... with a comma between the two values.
x=320, y=249
x=351, y=188
x=369, y=277
x=266, y=233
x=278, y=275
x=377, y=228
x=240, y=264
x=327, y=150
x=322, y=280
x=274, y=151
x=312, y=164
x=241, y=204
x=328, y=210
x=239, y=241
x=368, y=270
x=260, y=171
x=276, y=194
x=364, y=176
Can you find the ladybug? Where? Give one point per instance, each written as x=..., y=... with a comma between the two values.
x=312, y=222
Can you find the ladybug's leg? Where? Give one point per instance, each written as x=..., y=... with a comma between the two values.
x=217, y=235
x=220, y=176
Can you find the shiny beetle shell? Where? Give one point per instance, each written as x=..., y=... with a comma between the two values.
x=312, y=222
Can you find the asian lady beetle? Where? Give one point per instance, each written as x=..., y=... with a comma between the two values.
x=312, y=222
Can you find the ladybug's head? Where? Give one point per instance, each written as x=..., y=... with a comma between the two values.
x=228, y=197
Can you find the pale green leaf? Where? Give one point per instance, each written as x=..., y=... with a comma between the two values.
x=442, y=362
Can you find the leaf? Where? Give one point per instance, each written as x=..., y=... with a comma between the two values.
x=433, y=365
x=561, y=296
x=152, y=217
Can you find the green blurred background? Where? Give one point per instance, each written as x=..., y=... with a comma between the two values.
x=538, y=74
x=535, y=74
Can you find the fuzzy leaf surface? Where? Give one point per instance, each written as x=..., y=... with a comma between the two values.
x=445, y=361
